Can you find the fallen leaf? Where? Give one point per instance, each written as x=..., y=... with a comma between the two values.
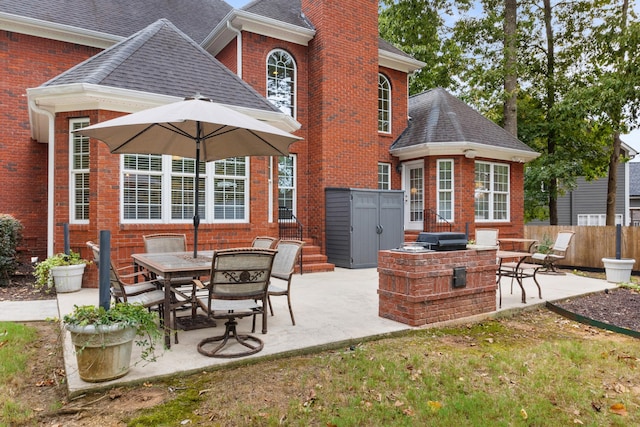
x=597, y=406
x=618, y=409
x=523, y=414
x=434, y=405
x=408, y=412
x=398, y=403
x=577, y=421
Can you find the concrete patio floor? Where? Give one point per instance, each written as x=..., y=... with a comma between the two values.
x=331, y=309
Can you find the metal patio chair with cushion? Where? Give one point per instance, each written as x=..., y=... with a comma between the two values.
x=124, y=289
x=557, y=252
x=265, y=242
x=237, y=289
x=283, y=266
x=487, y=236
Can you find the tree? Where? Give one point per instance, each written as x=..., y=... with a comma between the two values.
x=422, y=29
x=510, y=67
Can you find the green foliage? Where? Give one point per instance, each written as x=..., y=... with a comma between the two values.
x=42, y=272
x=10, y=238
x=15, y=341
x=137, y=316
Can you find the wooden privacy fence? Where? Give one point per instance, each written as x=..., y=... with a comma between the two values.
x=591, y=243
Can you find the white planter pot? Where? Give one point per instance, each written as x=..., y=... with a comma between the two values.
x=103, y=352
x=618, y=270
x=68, y=278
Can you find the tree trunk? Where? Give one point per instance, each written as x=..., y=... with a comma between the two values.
x=511, y=73
x=550, y=101
x=612, y=182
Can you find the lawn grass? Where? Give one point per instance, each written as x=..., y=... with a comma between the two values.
x=535, y=369
x=15, y=340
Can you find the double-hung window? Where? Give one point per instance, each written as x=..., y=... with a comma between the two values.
x=160, y=189
x=79, y=169
x=287, y=182
x=384, y=176
x=445, y=189
x=491, y=191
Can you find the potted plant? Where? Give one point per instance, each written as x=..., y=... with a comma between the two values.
x=103, y=339
x=62, y=270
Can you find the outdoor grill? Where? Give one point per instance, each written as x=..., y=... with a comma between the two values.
x=445, y=241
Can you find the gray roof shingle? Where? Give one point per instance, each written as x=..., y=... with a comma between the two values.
x=162, y=59
x=439, y=117
x=289, y=11
x=124, y=17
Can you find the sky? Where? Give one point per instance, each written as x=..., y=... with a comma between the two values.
x=237, y=3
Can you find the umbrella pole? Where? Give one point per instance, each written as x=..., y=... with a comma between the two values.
x=196, y=214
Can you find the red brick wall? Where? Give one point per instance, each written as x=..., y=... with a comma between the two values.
x=416, y=289
x=27, y=62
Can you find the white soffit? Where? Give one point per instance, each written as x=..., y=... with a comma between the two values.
x=463, y=148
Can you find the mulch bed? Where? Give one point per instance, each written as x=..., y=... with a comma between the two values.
x=20, y=287
x=618, y=307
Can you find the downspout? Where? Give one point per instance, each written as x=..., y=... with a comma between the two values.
x=238, y=47
x=50, y=172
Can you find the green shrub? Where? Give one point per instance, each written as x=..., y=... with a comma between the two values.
x=10, y=238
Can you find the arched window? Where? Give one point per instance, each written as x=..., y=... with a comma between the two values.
x=281, y=81
x=384, y=104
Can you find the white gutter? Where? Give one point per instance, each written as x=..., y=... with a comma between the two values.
x=50, y=173
x=238, y=34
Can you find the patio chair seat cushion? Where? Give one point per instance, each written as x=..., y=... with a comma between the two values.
x=147, y=298
x=138, y=288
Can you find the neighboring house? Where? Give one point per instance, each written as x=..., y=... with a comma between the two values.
x=586, y=204
x=313, y=67
x=634, y=193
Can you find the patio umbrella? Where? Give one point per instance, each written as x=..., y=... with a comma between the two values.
x=193, y=128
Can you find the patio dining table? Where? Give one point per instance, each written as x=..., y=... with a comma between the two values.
x=168, y=265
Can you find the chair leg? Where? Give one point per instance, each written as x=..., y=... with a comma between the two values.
x=270, y=306
x=290, y=309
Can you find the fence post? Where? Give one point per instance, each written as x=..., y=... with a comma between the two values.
x=618, y=241
x=104, y=270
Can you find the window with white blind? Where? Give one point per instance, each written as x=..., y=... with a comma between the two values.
x=160, y=189
x=596, y=219
x=79, y=170
x=287, y=182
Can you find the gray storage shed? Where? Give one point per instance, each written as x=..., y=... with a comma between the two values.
x=362, y=222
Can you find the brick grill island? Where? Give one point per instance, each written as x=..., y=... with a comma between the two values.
x=417, y=288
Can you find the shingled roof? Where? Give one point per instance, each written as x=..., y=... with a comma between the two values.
x=161, y=59
x=288, y=11
x=123, y=18
x=437, y=117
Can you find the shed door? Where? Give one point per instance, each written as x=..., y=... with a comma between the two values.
x=364, y=238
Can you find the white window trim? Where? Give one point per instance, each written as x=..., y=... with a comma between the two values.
x=73, y=172
x=166, y=197
x=381, y=75
x=294, y=207
x=451, y=191
x=294, y=105
x=388, y=174
x=492, y=192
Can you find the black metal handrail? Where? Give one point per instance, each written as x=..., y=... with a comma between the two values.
x=289, y=227
x=433, y=222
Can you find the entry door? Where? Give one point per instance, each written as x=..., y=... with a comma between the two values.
x=413, y=186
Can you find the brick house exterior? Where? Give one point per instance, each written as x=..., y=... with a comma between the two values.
x=338, y=59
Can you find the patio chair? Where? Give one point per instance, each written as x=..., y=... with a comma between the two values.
x=124, y=289
x=487, y=236
x=283, y=266
x=264, y=242
x=181, y=286
x=556, y=253
x=237, y=289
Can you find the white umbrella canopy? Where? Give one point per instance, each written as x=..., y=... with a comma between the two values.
x=193, y=128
